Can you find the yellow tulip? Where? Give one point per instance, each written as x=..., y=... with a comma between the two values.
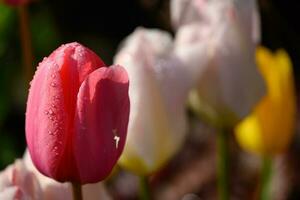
x=269, y=129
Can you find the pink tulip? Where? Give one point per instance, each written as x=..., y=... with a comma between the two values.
x=77, y=115
x=216, y=41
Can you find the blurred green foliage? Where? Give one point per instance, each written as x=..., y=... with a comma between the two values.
x=13, y=86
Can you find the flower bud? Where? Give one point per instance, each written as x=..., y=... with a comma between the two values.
x=219, y=51
x=77, y=115
x=269, y=128
x=158, y=91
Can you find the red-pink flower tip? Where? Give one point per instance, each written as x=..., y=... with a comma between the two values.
x=77, y=115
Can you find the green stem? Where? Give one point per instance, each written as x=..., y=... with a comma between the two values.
x=25, y=38
x=266, y=176
x=144, y=193
x=77, y=192
x=223, y=162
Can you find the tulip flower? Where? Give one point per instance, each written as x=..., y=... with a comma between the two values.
x=216, y=41
x=158, y=91
x=77, y=115
x=269, y=128
x=217, y=45
x=184, y=12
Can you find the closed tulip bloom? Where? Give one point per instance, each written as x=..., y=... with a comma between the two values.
x=270, y=127
x=77, y=115
x=219, y=51
x=158, y=91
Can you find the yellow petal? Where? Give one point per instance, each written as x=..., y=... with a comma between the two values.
x=270, y=127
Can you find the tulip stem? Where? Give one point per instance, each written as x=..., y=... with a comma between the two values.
x=25, y=38
x=77, y=192
x=222, y=164
x=144, y=189
x=266, y=176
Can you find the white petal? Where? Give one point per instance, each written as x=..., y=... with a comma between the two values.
x=158, y=90
x=220, y=56
x=52, y=189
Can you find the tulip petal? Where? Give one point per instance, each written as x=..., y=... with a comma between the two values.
x=45, y=118
x=218, y=47
x=158, y=90
x=51, y=109
x=10, y=193
x=101, y=122
x=17, y=182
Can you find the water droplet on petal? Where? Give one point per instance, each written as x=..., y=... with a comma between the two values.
x=51, y=112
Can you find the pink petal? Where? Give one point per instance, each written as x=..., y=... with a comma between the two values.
x=101, y=122
x=51, y=109
x=46, y=119
x=17, y=182
x=10, y=193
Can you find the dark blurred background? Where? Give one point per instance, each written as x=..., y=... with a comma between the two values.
x=101, y=25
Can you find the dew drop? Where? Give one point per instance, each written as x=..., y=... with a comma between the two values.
x=56, y=97
x=51, y=112
x=52, y=118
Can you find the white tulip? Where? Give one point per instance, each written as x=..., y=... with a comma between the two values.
x=218, y=46
x=158, y=90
